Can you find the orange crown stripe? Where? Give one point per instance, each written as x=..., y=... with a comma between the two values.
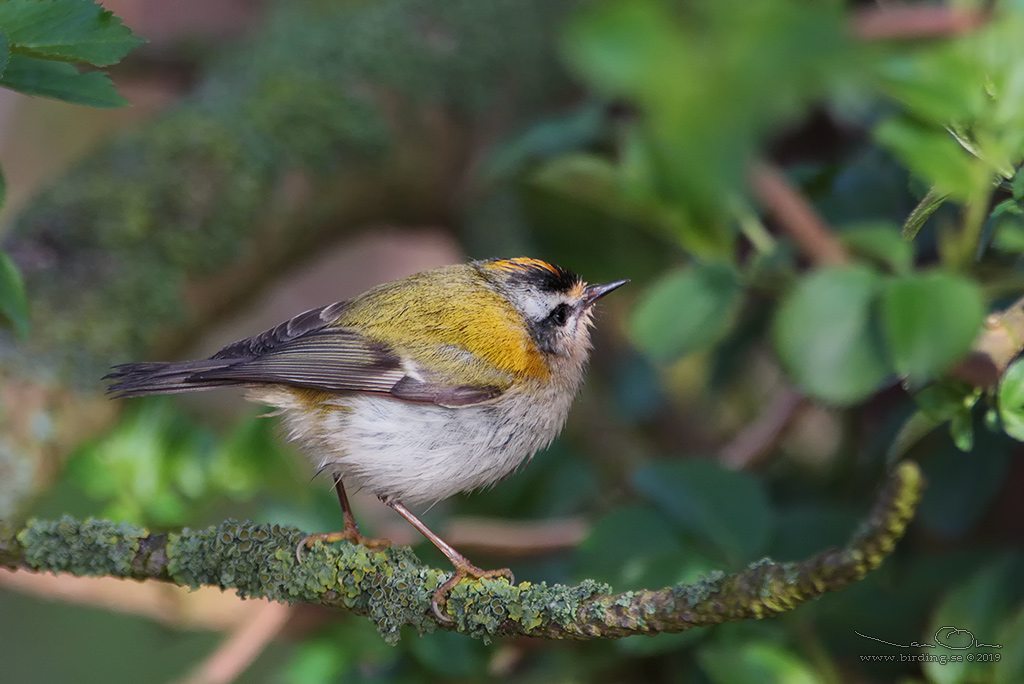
x=521, y=264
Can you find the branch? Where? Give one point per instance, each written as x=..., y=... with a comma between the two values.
x=796, y=216
x=916, y=22
x=999, y=343
x=394, y=589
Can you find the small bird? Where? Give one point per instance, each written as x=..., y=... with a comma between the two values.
x=435, y=384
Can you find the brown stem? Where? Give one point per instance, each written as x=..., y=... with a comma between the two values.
x=796, y=216
x=999, y=343
x=915, y=22
x=755, y=442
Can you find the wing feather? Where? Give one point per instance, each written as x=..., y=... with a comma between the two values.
x=309, y=351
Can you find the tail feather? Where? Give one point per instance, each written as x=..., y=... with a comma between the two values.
x=144, y=379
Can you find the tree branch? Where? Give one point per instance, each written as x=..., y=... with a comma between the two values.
x=394, y=589
x=916, y=22
x=796, y=216
x=999, y=343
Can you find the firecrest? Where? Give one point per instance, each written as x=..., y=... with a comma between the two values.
x=421, y=388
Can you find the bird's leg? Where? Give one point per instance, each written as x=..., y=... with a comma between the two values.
x=350, y=532
x=463, y=568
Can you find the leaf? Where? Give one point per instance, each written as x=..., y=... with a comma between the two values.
x=727, y=509
x=60, y=81
x=969, y=614
x=934, y=155
x=1018, y=185
x=450, y=655
x=826, y=338
x=626, y=47
x=755, y=661
x=13, y=301
x=1011, y=400
x=928, y=205
x=1009, y=669
x=880, y=241
x=961, y=429
x=5, y=52
x=1010, y=237
x=67, y=30
x=654, y=557
x=929, y=321
x=962, y=487
x=688, y=310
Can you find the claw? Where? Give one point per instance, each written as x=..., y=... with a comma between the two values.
x=467, y=571
x=345, y=535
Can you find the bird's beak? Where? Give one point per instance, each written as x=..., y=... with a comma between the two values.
x=594, y=292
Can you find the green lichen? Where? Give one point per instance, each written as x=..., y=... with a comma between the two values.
x=83, y=548
x=535, y=606
x=401, y=594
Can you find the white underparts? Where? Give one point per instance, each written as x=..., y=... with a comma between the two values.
x=422, y=453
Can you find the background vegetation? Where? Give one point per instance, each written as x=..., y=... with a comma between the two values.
x=818, y=204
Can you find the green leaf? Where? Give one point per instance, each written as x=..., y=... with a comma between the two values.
x=1011, y=400
x=881, y=242
x=761, y=661
x=934, y=155
x=928, y=205
x=969, y=614
x=930, y=320
x=67, y=30
x=962, y=487
x=450, y=655
x=1010, y=237
x=1018, y=185
x=1009, y=669
x=688, y=310
x=656, y=557
x=826, y=336
x=5, y=52
x=60, y=81
x=13, y=301
x=961, y=429
x=727, y=509
x=626, y=47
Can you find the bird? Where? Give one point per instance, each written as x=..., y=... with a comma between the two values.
x=442, y=382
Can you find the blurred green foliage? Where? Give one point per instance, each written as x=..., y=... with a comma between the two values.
x=42, y=47
x=647, y=178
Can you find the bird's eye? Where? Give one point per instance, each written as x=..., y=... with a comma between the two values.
x=560, y=315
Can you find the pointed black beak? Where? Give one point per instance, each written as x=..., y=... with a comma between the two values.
x=595, y=292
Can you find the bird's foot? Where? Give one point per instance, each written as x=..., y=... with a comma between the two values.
x=350, y=534
x=463, y=570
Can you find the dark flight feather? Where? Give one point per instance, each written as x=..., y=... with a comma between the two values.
x=304, y=351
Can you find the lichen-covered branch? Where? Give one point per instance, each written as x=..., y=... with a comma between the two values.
x=394, y=589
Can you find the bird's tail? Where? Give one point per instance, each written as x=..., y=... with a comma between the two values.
x=144, y=379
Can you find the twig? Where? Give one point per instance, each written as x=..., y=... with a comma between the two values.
x=207, y=608
x=240, y=649
x=506, y=538
x=999, y=343
x=760, y=438
x=916, y=22
x=394, y=589
x=796, y=216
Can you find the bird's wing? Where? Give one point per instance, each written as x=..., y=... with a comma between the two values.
x=306, y=351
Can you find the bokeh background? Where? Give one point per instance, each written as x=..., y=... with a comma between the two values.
x=282, y=155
